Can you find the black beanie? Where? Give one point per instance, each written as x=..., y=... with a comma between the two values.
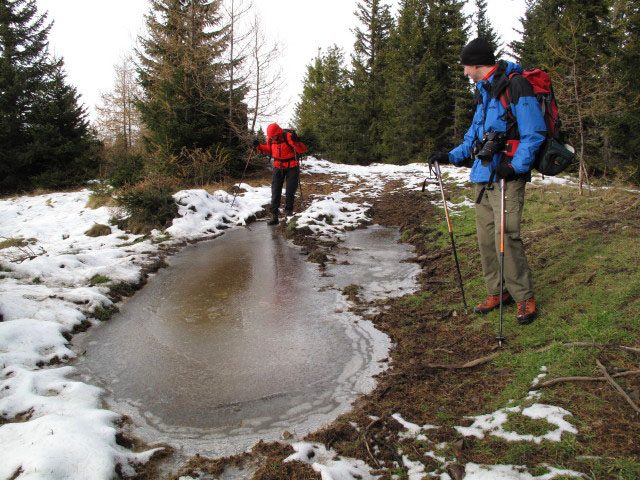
x=477, y=52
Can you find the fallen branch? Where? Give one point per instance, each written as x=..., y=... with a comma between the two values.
x=549, y=383
x=617, y=387
x=473, y=363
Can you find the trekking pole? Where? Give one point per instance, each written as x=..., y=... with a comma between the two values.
x=301, y=195
x=501, y=339
x=453, y=243
x=299, y=177
x=241, y=178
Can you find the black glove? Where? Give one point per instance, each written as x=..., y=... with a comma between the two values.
x=294, y=136
x=441, y=157
x=505, y=170
x=256, y=142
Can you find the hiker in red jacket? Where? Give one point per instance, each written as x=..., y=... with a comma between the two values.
x=283, y=147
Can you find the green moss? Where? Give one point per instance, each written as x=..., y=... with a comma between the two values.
x=104, y=314
x=98, y=279
x=161, y=239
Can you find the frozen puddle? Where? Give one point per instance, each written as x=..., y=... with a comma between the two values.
x=241, y=340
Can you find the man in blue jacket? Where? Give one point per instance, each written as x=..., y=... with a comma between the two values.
x=494, y=129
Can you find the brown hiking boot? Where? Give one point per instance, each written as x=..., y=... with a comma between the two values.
x=526, y=311
x=492, y=302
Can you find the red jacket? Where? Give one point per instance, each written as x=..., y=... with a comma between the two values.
x=284, y=156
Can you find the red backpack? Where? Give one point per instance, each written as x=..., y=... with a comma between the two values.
x=553, y=156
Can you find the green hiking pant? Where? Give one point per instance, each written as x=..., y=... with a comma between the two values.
x=517, y=275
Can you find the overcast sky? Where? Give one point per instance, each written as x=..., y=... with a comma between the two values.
x=93, y=35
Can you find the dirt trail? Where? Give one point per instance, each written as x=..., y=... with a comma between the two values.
x=424, y=333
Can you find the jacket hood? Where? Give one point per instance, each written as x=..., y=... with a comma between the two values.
x=273, y=130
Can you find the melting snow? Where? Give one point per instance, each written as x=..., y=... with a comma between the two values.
x=61, y=431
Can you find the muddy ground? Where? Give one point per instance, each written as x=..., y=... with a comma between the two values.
x=424, y=335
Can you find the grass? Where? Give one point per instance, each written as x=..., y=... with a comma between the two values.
x=523, y=425
x=97, y=200
x=291, y=227
x=101, y=196
x=584, y=254
x=104, y=314
x=161, y=239
x=140, y=239
x=98, y=279
x=17, y=242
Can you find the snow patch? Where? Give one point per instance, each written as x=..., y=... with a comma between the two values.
x=324, y=461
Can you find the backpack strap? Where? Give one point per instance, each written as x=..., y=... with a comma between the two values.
x=505, y=99
x=284, y=137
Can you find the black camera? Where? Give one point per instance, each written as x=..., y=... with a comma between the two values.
x=492, y=143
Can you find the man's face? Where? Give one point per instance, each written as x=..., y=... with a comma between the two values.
x=473, y=73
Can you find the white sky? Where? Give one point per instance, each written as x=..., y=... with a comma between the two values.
x=93, y=35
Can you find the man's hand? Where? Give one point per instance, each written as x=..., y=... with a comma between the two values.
x=256, y=142
x=505, y=170
x=441, y=157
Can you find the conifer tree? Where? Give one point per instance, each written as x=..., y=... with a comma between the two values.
x=368, y=65
x=428, y=98
x=626, y=125
x=321, y=114
x=450, y=101
x=575, y=43
x=183, y=75
x=61, y=142
x=407, y=80
x=44, y=137
x=485, y=30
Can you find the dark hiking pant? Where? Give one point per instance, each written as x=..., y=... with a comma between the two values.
x=517, y=275
x=281, y=175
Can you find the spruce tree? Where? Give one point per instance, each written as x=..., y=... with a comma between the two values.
x=405, y=107
x=367, y=77
x=485, y=30
x=576, y=44
x=428, y=99
x=44, y=137
x=61, y=148
x=182, y=75
x=450, y=101
x=322, y=114
x=624, y=127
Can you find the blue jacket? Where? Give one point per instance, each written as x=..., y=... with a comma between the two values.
x=490, y=116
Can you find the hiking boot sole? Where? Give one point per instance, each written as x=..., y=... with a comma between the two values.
x=527, y=319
